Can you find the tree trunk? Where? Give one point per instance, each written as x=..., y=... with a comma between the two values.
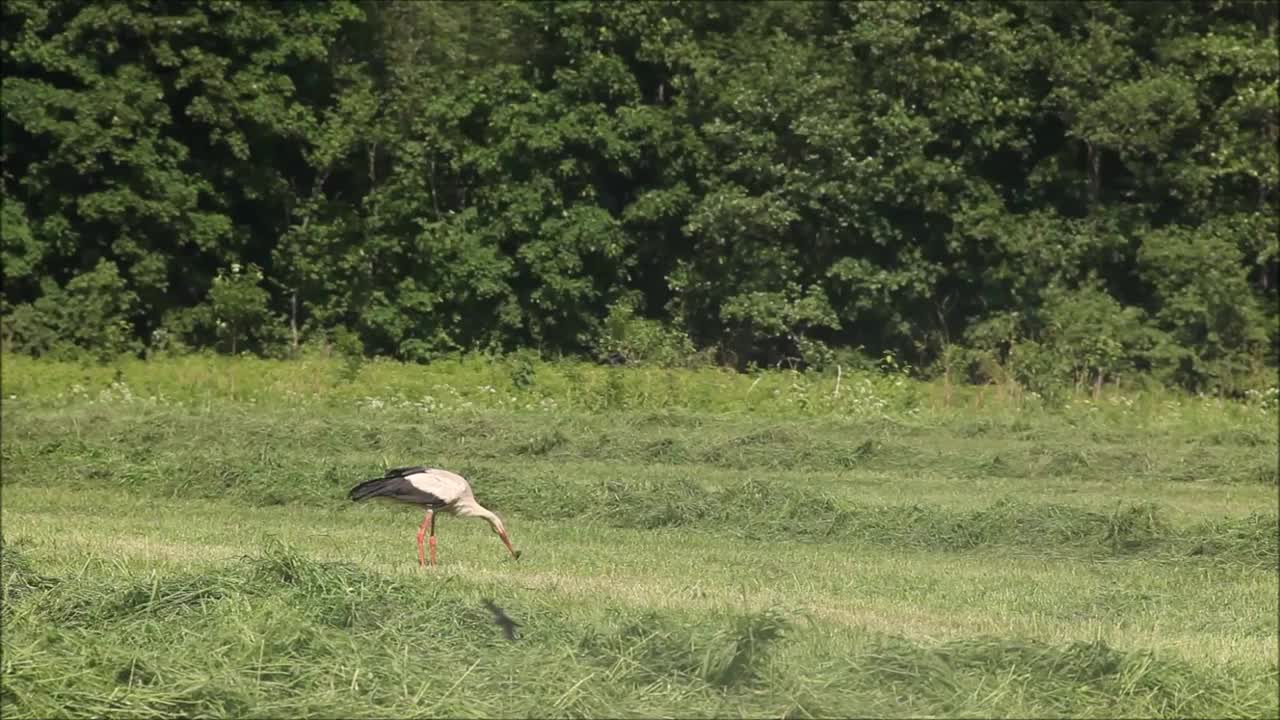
x=1262, y=206
x=431, y=178
x=1095, y=172
x=293, y=322
x=946, y=385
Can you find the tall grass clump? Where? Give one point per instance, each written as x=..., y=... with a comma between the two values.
x=1076, y=679
x=17, y=576
x=519, y=384
x=272, y=634
x=277, y=633
x=758, y=509
x=655, y=649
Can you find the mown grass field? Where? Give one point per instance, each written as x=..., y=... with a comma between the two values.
x=177, y=541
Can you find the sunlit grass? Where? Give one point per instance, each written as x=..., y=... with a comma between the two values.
x=195, y=554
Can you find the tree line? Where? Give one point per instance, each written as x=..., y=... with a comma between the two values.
x=1041, y=191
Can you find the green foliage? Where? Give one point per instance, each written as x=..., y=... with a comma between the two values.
x=1212, y=319
x=90, y=316
x=238, y=305
x=347, y=345
x=1088, y=338
x=22, y=252
x=628, y=338
x=767, y=184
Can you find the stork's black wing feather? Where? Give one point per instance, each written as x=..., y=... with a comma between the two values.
x=394, y=487
x=401, y=472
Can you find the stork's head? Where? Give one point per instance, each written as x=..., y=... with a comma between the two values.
x=498, y=528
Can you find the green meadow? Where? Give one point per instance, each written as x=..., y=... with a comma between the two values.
x=695, y=543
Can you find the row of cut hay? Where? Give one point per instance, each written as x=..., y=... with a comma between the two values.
x=279, y=634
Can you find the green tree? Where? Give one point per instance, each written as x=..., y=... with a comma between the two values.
x=238, y=305
x=763, y=180
x=1203, y=302
x=91, y=316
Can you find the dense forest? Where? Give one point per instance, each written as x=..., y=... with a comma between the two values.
x=1049, y=192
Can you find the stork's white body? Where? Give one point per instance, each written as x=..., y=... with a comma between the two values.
x=450, y=487
x=439, y=490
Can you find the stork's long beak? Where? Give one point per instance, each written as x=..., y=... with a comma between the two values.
x=515, y=554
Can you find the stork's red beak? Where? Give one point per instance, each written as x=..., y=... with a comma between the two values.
x=515, y=554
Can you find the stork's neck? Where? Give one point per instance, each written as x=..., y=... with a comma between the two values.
x=468, y=507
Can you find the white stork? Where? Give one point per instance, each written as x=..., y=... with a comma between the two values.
x=440, y=491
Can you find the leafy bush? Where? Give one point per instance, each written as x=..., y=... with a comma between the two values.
x=91, y=316
x=1210, y=316
x=238, y=305
x=1082, y=337
x=627, y=337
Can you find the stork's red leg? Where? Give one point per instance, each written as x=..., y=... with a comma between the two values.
x=432, y=541
x=422, y=531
